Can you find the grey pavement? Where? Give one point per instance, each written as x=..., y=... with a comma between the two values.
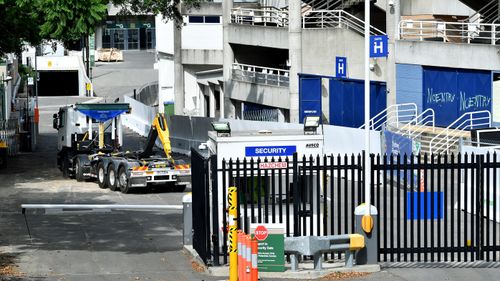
x=117, y=245
x=115, y=79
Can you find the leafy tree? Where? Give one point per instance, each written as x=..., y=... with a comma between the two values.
x=169, y=9
x=18, y=24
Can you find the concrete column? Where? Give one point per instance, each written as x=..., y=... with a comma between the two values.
x=228, y=59
x=222, y=103
x=211, y=98
x=98, y=37
x=295, y=53
x=178, y=72
x=392, y=17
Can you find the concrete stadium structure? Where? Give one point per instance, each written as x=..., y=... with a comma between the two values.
x=242, y=60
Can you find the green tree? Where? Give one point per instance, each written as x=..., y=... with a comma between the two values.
x=169, y=9
x=18, y=24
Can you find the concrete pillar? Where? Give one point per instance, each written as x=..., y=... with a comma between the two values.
x=228, y=59
x=178, y=72
x=211, y=99
x=392, y=17
x=98, y=37
x=295, y=53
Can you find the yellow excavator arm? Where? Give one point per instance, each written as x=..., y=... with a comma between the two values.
x=159, y=129
x=160, y=124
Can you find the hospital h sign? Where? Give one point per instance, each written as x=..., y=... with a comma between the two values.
x=379, y=46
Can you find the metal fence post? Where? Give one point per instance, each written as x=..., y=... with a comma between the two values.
x=295, y=196
x=187, y=212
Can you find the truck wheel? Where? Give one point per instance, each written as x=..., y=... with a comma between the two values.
x=122, y=177
x=101, y=176
x=123, y=182
x=112, y=181
x=78, y=170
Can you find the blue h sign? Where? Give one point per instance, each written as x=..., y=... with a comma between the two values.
x=341, y=67
x=379, y=46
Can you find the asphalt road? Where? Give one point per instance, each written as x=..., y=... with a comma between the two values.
x=116, y=245
x=115, y=79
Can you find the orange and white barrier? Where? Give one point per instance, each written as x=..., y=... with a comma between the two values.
x=247, y=257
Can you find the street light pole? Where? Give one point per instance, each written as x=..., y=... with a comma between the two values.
x=367, y=109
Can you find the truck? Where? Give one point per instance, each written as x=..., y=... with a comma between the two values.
x=89, y=146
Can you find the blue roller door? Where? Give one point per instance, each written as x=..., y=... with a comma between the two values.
x=453, y=92
x=347, y=101
x=309, y=97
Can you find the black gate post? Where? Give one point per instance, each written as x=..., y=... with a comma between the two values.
x=215, y=208
x=479, y=206
x=295, y=196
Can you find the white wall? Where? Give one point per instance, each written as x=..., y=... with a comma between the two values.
x=165, y=64
x=164, y=35
x=203, y=36
x=191, y=94
x=441, y=7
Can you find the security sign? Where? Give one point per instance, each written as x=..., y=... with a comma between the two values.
x=379, y=46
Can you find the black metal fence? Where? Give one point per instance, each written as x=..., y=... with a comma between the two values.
x=201, y=205
x=431, y=208
x=437, y=207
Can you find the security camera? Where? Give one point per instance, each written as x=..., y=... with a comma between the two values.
x=372, y=66
x=391, y=3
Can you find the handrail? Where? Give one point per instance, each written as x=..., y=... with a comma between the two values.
x=318, y=19
x=468, y=121
x=456, y=32
x=425, y=119
x=393, y=115
x=264, y=16
x=261, y=75
x=486, y=11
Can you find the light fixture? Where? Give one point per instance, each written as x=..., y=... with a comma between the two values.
x=391, y=3
x=311, y=123
x=222, y=128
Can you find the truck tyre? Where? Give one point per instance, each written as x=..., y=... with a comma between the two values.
x=78, y=170
x=112, y=179
x=101, y=176
x=123, y=181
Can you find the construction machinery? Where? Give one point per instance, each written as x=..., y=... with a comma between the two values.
x=86, y=153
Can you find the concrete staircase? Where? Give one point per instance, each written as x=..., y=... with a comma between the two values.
x=426, y=134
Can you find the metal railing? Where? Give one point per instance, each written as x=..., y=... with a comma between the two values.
x=414, y=128
x=393, y=116
x=265, y=16
x=261, y=75
x=455, y=32
x=442, y=142
x=8, y=134
x=487, y=12
x=336, y=19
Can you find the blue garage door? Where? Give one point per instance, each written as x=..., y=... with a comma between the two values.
x=453, y=92
x=347, y=101
x=310, y=97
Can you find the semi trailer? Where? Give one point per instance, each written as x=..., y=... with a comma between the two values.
x=90, y=140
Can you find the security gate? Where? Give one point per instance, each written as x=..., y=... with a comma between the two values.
x=431, y=207
x=437, y=207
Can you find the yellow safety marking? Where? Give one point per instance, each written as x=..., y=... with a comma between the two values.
x=357, y=241
x=3, y=144
x=469, y=243
x=367, y=223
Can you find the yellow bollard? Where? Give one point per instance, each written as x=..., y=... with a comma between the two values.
x=232, y=197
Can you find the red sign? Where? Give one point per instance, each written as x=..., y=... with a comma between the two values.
x=261, y=233
x=273, y=165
